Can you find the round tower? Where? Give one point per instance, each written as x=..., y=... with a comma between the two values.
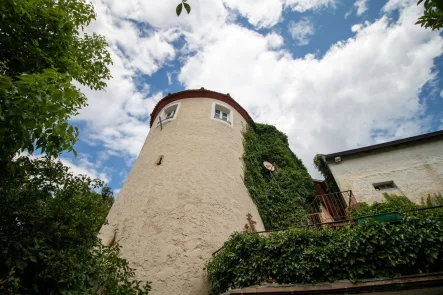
x=185, y=194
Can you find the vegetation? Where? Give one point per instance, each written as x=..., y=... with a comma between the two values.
x=394, y=203
x=283, y=195
x=180, y=6
x=369, y=250
x=323, y=168
x=433, y=14
x=42, y=51
x=49, y=218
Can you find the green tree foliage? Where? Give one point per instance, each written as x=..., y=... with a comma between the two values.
x=49, y=220
x=42, y=51
x=281, y=198
x=370, y=250
x=433, y=14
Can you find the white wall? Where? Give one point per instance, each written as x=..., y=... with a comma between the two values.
x=417, y=170
x=170, y=218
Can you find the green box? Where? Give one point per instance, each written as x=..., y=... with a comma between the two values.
x=382, y=217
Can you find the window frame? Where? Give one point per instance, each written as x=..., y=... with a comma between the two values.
x=385, y=185
x=223, y=109
x=163, y=113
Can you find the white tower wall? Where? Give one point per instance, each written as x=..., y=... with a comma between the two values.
x=170, y=218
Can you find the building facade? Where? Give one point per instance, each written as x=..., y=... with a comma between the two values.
x=185, y=194
x=412, y=167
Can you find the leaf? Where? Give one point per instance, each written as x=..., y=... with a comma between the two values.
x=179, y=8
x=187, y=7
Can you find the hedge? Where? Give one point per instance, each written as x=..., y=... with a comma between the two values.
x=393, y=203
x=371, y=250
x=281, y=198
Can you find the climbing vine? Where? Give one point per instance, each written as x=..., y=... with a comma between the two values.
x=283, y=195
x=322, y=167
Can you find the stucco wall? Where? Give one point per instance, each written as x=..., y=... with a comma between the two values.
x=416, y=169
x=170, y=218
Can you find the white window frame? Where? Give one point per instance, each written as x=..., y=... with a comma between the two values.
x=223, y=108
x=382, y=186
x=163, y=113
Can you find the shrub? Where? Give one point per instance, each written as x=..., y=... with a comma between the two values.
x=294, y=256
x=395, y=203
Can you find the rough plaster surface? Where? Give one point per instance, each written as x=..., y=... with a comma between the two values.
x=416, y=169
x=170, y=218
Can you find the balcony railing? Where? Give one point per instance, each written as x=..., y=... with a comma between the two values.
x=332, y=209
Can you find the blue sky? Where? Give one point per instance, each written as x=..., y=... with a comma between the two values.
x=331, y=74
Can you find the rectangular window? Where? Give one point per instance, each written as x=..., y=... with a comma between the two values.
x=168, y=114
x=384, y=185
x=219, y=114
x=222, y=113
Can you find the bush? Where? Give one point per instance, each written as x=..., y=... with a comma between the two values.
x=395, y=203
x=295, y=256
x=49, y=221
x=281, y=198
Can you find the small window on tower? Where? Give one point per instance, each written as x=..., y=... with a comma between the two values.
x=222, y=113
x=169, y=113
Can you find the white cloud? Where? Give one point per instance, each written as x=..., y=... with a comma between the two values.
x=361, y=6
x=260, y=13
x=301, y=30
x=117, y=117
x=83, y=166
x=169, y=76
x=363, y=90
x=304, y=5
x=275, y=41
x=357, y=27
x=441, y=93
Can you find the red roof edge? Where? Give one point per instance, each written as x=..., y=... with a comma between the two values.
x=192, y=93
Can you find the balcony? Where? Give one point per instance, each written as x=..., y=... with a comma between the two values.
x=331, y=209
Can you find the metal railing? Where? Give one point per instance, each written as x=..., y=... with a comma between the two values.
x=331, y=208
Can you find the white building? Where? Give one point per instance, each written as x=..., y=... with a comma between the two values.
x=412, y=167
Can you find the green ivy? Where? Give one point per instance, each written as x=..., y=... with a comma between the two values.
x=394, y=203
x=282, y=197
x=370, y=250
x=323, y=168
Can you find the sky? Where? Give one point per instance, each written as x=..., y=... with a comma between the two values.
x=331, y=74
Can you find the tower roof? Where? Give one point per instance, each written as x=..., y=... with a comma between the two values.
x=192, y=93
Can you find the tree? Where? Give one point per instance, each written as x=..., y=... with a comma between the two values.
x=49, y=220
x=42, y=51
x=433, y=14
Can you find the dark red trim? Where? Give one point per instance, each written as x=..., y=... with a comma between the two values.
x=199, y=93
